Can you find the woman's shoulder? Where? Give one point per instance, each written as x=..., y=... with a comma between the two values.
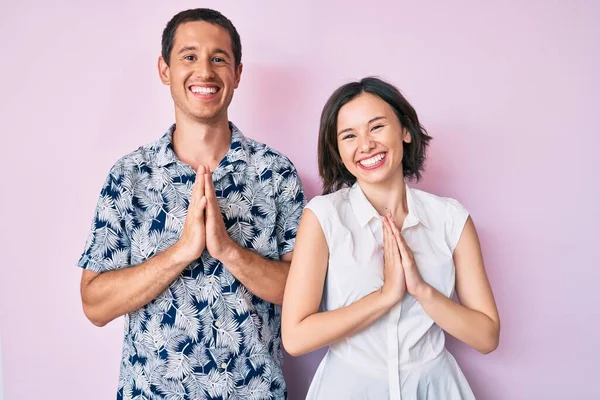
x=435, y=203
x=445, y=214
x=327, y=206
x=331, y=200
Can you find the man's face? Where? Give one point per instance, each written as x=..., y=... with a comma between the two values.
x=201, y=72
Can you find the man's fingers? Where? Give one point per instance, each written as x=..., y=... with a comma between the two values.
x=211, y=197
x=200, y=181
x=210, y=188
x=197, y=188
x=200, y=209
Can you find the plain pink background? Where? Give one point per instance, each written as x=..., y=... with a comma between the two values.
x=509, y=90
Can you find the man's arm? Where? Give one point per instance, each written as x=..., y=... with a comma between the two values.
x=108, y=295
x=264, y=278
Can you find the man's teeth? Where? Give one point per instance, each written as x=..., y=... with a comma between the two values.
x=204, y=90
x=369, y=162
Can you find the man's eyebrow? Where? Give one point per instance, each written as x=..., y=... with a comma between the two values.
x=187, y=48
x=194, y=48
x=223, y=52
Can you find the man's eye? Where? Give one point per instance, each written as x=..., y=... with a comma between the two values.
x=218, y=59
x=190, y=58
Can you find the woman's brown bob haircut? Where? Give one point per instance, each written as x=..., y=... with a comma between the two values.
x=334, y=174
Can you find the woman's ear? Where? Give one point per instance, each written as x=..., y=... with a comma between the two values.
x=406, y=136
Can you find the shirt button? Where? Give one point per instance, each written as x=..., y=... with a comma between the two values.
x=211, y=279
x=224, y=365
x=218, y=324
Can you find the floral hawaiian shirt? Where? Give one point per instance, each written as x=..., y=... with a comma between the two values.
x=206, y=336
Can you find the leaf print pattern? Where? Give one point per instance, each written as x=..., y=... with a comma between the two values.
x=206, y=336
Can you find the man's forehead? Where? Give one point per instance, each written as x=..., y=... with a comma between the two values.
x=199, y=39
x=201, y=31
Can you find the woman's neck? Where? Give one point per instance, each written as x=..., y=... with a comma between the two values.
x=388, y=197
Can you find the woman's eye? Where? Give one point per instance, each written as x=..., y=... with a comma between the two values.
x=376, y=127
x=349, y=136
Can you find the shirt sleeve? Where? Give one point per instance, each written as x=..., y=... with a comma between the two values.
x=323, y=210
x=456, y=217
x=289, y=200
x=108, y=246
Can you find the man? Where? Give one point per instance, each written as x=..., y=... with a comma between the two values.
x=193, y=235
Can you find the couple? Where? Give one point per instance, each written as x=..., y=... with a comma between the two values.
x=193, y=235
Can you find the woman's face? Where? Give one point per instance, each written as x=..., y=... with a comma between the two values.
x=370, y=139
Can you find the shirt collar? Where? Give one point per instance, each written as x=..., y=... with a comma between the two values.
x=416, y=211
x=162, y=149
x=164, y=155
x=365, y=211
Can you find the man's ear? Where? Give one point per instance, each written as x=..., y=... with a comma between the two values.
x=238, y=75
x=164, y=71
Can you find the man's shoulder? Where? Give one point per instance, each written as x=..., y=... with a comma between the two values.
x=261, y=151
x=128, y=164
x=136, y=160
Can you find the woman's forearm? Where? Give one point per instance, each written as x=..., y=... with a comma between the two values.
x=324, y=328
x=469, y=326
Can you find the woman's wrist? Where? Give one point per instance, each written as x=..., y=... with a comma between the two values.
x=423, y=292
x=389, y=299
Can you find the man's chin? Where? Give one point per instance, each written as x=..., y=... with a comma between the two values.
x=205, y=115
x=210, y=118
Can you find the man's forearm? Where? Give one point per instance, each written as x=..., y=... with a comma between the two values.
x=109, y=295
x=264, y=278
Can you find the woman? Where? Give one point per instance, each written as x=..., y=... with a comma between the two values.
x=383, y=260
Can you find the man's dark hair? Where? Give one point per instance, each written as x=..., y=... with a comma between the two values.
x=200, y=14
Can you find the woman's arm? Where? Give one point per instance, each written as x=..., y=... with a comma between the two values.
x=304, y=328
x=475, y=321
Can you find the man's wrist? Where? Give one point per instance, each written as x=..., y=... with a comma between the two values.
x=177, y=256
x=231, y=254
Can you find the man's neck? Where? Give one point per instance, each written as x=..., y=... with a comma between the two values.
x=201, y=143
